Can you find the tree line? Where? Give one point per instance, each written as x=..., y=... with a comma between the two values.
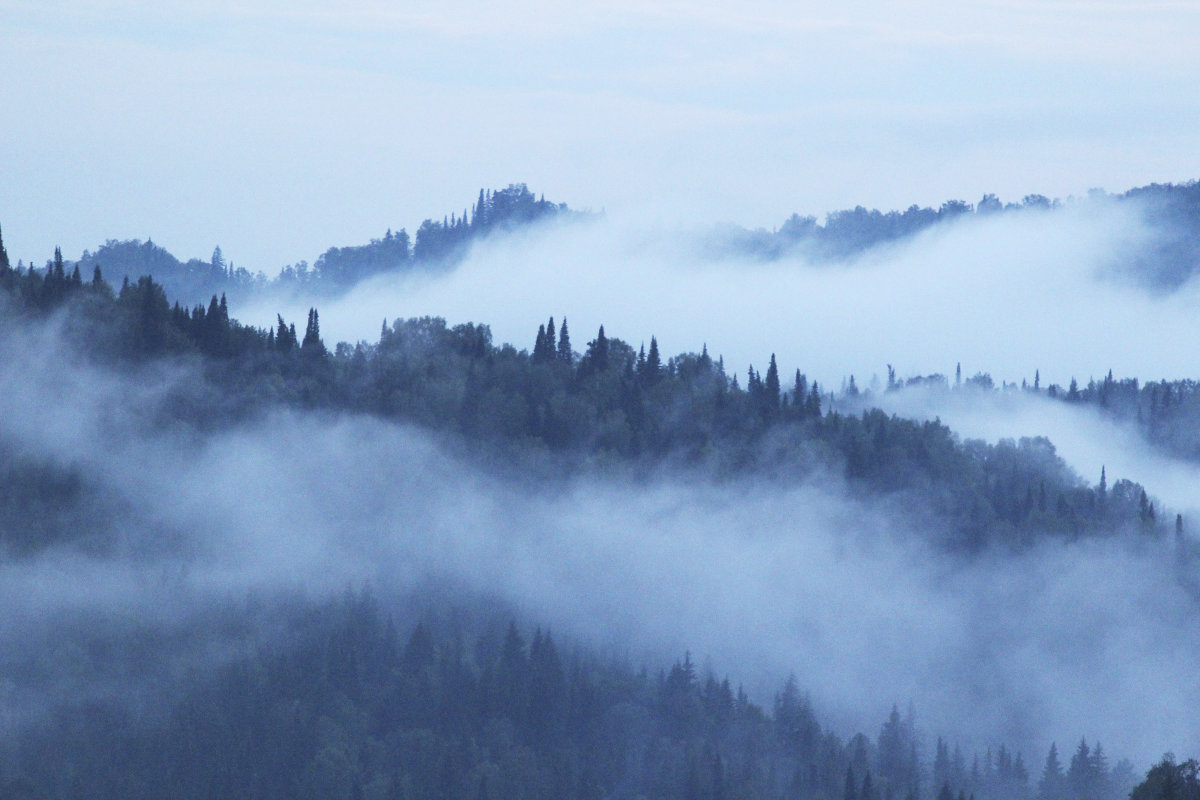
x=607, y=405
x=462, y=707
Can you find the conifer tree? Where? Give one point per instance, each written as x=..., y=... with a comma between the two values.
x=597, y=352
x=813, y=407
x=653, y=361
x=564, y=343
x=1079, y=774
x=539, y=345
x=312, y=334
x=772, y=385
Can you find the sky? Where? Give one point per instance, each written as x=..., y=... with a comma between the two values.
x=277, y=130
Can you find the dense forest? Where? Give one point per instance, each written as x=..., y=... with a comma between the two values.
x=609, y=404
x=358, y=698
x=464, y=708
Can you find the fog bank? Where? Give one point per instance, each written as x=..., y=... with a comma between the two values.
x=756, y=579
x=1008, y=294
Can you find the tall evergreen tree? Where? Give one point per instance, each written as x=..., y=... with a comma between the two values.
x=564, y=344
x=771, y=387
x=312, y=334
x=539, y=345
x=597, y=352
x=653, y=367
x=1079, y=779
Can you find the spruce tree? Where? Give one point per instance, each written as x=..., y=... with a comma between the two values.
x=564, y=342
x=597, y=353
x=772, y=385
x=312, y=334
x=539, y=345
x=653, y=361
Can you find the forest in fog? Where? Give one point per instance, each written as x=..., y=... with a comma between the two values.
x=241, y=558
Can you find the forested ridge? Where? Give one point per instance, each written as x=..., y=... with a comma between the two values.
x=1172, y=211
x=347, y=703
x=435, y=245
x=609, y=405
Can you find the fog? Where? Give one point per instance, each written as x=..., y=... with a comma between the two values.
x=1085, y=437
x=756, y=580
x=1009, y=294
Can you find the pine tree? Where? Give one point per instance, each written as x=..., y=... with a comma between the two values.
x=312, y=334
x=597, y=352
x=771, y=387
x=283, y=340
x=1079, y=775
x=564, y=344
x=539, y=345
x=653, y=362
x=813, y=406
x=5, y=266
x=800, y=393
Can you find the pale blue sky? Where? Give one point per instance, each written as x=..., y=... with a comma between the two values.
x=277, y=129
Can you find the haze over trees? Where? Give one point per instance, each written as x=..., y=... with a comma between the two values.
x=1172, y=211
x=367, y=696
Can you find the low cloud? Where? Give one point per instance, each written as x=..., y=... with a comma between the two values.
x=1009, y=294
x=757, y=579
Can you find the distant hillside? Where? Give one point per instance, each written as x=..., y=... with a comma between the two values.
x=338, y=268
x=1171, y=210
